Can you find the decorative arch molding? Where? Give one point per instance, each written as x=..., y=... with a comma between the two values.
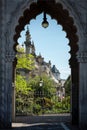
x=23, y=5
x=26, y=11
x=62, y=16
x=57, y=12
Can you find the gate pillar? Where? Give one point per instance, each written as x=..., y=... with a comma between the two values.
x=74, y=90
x=9, y=57
x=82, y=58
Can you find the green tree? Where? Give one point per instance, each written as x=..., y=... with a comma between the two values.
x=24, y=61
x=43, y=95
x=21, y=85
x=47, y=87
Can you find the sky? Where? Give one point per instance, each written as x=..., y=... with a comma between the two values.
x=50, y=42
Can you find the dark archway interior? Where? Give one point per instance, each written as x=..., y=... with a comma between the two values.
x=56, y=11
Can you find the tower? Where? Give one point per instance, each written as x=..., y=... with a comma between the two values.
x=28, y=42
x=30, y=48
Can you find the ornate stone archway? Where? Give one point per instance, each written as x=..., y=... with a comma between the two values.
x=67, y=14
x=56, y=11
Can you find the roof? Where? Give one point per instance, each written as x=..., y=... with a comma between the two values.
x=55, y=70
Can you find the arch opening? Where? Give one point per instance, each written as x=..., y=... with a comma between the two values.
x=49, y=58
x=56, y=11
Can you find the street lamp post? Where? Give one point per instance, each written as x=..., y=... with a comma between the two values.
x=42, y=94
x=41, y=82
x=40, y=61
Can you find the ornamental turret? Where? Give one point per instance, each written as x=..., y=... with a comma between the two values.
x=30, y=48
x=28, y=42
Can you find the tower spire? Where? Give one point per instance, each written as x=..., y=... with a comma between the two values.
x=28, y=36
x=28, y=41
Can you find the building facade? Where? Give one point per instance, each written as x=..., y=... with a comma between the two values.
x=41, y=66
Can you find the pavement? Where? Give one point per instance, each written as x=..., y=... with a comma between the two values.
x=44, y=126
x=40, y=126
x=43, y=122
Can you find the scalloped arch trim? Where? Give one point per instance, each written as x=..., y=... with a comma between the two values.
x=56, y=11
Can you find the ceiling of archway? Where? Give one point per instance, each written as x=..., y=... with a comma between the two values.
x=56, y=11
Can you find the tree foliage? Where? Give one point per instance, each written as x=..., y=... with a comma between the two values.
x=24, y=61
x=21, y=85
x=30, y=96
x=47, y=87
